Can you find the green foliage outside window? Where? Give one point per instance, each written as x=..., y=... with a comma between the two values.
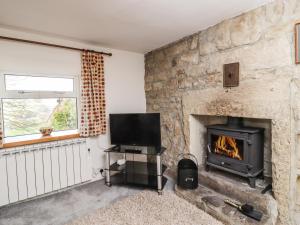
x=27, y=116
x=65, y=116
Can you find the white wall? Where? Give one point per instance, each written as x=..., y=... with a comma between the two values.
x=124, y=74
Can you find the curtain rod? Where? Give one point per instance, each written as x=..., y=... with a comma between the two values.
x=51, y=45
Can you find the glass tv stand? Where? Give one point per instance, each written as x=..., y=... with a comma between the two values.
x=147, y=174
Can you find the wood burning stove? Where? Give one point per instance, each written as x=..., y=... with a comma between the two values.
x=237, y=149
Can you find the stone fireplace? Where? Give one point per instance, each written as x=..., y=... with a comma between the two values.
x=212, y=106
x=184, y=82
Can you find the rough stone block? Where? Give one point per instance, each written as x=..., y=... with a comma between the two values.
x=179, y=48
x=193, y=41
x=190, y=57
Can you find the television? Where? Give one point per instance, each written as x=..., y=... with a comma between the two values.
x=140, y=129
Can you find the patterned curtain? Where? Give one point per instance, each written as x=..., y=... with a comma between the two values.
x=1, y=125
x=93, y=117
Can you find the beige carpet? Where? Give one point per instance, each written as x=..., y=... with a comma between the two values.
x=149, y=208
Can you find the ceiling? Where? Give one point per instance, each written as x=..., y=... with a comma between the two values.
x=134, y=25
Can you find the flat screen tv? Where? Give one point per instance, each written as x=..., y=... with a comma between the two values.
x=141, y=129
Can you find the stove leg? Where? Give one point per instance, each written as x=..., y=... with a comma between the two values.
x=207, y=168
x=262, y=176
x=252, y=182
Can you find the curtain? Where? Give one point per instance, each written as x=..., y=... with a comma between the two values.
x=93, y=116
x=1, y=125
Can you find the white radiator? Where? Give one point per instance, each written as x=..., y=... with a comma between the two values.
x=39, y=169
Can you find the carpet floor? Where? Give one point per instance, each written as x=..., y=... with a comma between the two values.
x=149, y=208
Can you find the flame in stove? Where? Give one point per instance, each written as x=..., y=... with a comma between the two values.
x=227, y=146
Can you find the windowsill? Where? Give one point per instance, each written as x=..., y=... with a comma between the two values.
x=17, y=141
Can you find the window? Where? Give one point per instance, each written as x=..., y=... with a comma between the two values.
x=31, y=102
x=30, y=83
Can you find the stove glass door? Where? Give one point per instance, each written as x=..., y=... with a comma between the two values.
x=227, y=146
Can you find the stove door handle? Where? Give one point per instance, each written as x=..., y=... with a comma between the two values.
x=225, y=164
x=208, y=148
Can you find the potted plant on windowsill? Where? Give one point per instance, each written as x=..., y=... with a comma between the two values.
x=46, y=131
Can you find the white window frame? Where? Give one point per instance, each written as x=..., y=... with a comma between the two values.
x=17, y=94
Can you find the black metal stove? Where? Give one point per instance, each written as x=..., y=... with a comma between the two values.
x=237, y=149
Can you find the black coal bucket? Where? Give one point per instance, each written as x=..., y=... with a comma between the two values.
x=187, y=171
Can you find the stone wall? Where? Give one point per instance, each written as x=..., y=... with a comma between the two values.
x=185, y=78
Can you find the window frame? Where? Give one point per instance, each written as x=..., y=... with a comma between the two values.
x=18, y=94
x=21, y=94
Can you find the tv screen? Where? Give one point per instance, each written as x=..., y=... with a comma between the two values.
x=142, y=129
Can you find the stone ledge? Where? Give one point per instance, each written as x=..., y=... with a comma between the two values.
x=237, y=187
x=215, y=187
x=213, y=203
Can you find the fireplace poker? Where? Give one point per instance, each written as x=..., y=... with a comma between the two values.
x=245, y=209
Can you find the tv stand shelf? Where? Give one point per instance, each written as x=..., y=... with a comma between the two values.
x=138, y=180
x=136, y=167
x=148, y=174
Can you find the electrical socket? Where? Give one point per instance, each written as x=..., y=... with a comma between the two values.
x=96, y=172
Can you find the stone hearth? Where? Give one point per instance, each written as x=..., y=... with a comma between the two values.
x=215, y=187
